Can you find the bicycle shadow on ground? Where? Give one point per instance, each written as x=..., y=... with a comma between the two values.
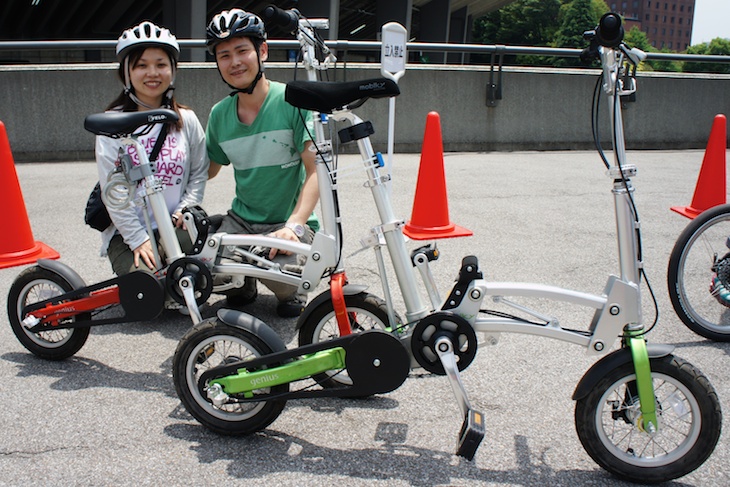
x=705, y=343
x=171, y=324
x=270, y=451
x=79, y=373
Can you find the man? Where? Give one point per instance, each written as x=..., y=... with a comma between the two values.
x=268, y=143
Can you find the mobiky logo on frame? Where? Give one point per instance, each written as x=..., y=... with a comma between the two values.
x=375, y=85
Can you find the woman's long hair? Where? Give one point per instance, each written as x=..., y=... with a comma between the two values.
x=126, y=104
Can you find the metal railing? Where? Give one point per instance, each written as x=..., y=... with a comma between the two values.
x=345, y=46
x=496, y=53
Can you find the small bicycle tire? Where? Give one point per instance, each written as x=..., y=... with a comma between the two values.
x=688, y=412
x=37, y=284
x=209, y=344
x=366, y=312
x=691, y=270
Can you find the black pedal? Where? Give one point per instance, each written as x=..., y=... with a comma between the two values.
x=471, y=434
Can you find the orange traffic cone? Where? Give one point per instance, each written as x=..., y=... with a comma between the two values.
x=711, y=184
x=430, y=217
x=17, y=246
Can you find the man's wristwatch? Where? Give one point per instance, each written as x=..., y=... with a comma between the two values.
x=297, y=228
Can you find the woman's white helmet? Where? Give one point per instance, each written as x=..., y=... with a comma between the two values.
x=147, y=34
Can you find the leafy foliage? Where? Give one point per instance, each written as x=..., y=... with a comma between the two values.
x=716, y=47
x=561, y=23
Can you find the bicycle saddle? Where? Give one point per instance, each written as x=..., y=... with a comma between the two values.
x=325, y=96
x=118, y=124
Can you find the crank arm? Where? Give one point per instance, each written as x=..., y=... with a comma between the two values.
x=472, y=429
x=187, y=287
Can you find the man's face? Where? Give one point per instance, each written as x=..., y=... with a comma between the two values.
x=238, y=62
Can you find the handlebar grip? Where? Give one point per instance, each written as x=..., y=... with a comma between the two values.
x=287, y=19
x=610, y=32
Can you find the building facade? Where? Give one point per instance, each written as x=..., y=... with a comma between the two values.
x=667, y=24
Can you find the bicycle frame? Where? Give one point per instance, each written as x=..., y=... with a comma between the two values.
x=617, y=312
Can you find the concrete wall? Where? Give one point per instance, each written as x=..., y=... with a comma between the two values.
x=43, y=107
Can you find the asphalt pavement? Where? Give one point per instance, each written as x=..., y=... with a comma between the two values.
x=110, y=415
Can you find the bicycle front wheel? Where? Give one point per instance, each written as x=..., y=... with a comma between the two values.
x=210, y=344
x=698, y=274
x=608, y=422
x=37, y=284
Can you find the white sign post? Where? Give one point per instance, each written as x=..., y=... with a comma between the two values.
x=392, y=66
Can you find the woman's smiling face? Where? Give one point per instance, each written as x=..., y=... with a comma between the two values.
x=151, y=76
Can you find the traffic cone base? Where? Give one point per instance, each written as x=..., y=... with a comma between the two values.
x=430, y=216
x=711, y=184
x=28, y=256
x=17, y=246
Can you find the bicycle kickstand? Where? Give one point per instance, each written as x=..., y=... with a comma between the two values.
x=472, y=430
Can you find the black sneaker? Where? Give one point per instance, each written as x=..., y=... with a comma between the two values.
x=237, y=298
x=291, y=308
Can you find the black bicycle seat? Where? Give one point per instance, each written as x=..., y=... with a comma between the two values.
x=326, y=96
x=117, y=124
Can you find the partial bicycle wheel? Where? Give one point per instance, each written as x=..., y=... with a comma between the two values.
x=688, y=412
x=210, y=344
x=698, y=276
x=365, y=312
x=37, y=284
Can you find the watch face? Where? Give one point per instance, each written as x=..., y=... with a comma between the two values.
x=297, y=229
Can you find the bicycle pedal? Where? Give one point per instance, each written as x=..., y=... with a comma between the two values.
x=471, y=434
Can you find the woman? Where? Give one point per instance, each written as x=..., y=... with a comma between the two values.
x=148, y=57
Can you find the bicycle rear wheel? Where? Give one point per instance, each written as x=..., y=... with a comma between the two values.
x=699, y=272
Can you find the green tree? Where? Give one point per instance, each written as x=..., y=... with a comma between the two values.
x=717, y=47
x=637, y=38
x=521, y=23
x=578, y=16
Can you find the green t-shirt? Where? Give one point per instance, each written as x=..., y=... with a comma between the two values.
x=265, y=155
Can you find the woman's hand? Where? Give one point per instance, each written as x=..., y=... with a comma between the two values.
x=145, y=253
x=177, y=220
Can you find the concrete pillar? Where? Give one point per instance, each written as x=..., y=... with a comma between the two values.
x=458, y=32
x=435, y=20
x=188, y=20
x=327, y=9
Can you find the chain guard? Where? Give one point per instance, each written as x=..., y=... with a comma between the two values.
x=439, y=324
x=200, y=275
x=376, y=361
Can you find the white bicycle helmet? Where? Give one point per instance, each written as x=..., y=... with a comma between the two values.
x=146, y=34
x=149, y=35
x=234, y=23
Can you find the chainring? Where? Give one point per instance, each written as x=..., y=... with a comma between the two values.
x=200, y=275
x=455, y=328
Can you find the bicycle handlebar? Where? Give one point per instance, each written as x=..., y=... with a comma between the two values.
x=608, y=33
x=286, y=19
